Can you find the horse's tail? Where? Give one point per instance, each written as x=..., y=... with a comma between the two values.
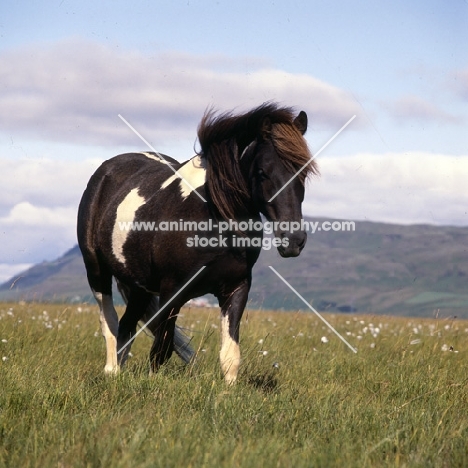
x=181, y=339
x=182, y=345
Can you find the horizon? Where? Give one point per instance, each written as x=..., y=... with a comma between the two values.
x=13, y=272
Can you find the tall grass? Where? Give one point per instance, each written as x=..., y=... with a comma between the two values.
x=401, y=401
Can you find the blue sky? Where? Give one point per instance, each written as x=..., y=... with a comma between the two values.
x=68, y=68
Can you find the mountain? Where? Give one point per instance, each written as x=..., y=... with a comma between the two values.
x=63, y=279
x=379, y=268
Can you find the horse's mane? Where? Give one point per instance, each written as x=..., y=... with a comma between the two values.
x=222, y=137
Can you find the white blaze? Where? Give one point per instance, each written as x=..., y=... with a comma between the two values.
x=125, y=213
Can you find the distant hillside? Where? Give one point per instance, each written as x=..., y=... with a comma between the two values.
x=380, y=268
x=63, y=279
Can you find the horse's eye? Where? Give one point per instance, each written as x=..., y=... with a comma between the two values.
x=261, y=174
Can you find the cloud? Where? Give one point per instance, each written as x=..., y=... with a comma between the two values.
x=38, y=219
x=38, y=207
x=43, y=182
x=417, y=109
x=31, y=233
x=73, y=91
x=26, y=214
x=406, y=188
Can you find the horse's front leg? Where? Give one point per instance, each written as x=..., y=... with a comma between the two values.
x=232, y=308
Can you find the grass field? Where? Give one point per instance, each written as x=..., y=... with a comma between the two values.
x=400, y=401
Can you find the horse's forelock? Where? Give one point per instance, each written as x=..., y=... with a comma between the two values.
x=292, y=148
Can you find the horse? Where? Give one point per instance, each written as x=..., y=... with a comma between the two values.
x=248, y=165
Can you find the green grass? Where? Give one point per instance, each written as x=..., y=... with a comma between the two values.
x=400, y=401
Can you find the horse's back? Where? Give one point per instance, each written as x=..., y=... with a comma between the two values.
x=125, y=169
x=111, y=183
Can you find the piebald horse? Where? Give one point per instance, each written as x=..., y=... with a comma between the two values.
x=245, y=168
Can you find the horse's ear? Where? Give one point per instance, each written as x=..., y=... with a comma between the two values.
x=301, y=122
x=265, y=128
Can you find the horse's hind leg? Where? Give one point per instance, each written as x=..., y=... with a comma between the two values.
x=110, y=328
x=163, y=345
x=153, y=323
x=100, y=281
x=137, y=304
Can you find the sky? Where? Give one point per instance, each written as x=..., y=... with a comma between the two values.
x=68, y=69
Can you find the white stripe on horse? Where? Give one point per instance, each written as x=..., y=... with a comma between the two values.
x=155, y=157
x=193, y=172
x=125, y=213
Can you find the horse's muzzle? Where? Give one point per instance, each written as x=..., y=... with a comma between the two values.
x=291, y=244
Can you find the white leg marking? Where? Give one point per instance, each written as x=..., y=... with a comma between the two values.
x=125, y=215
x=193, y=172
x=110, y=329
x=229, y=354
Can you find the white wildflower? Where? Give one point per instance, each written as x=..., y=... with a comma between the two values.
x=324, y=339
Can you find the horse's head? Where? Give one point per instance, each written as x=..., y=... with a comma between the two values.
x=277, y=186
x=258, y=163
